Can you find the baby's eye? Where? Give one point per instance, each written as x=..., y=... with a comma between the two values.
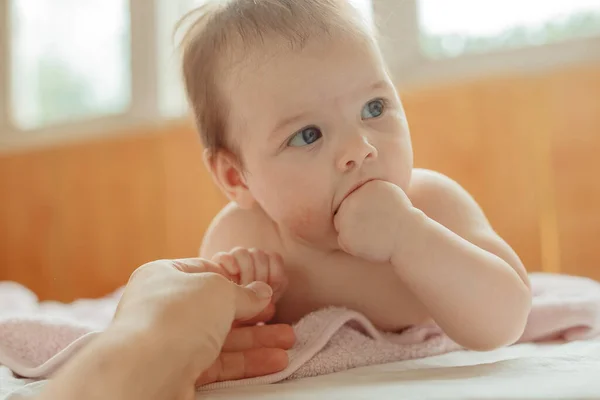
x=305, y=137
x=373, y=109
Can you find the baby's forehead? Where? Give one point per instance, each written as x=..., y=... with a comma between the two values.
x=278, y=73
x=272, y=82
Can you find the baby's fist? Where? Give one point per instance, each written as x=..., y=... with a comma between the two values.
x=251, y=265
x=369, y=220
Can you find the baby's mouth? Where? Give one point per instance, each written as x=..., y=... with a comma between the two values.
x=352, y=190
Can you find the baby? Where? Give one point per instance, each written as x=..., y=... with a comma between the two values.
x=305, y=133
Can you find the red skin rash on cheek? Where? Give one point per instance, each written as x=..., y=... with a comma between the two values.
x=301, y=223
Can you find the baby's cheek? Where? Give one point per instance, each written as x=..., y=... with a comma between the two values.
x=307, y=224
x=300, y=221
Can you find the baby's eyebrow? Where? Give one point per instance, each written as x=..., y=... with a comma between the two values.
x=288, y=121
x=383, y=84
x=279, y=127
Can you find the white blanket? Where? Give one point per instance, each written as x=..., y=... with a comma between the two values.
x=525, y=371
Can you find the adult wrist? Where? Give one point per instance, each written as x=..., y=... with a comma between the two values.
x=120, y=365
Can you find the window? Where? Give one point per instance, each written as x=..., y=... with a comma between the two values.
x=77, y=67
x=366, y=7
x=172, y=101
x=70, y=60
x=457, y=27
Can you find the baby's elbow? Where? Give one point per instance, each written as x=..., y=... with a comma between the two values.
x=500, y=337
x=503, y=329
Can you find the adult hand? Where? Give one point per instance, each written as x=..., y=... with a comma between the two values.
x=172, y=331
x=192, y=299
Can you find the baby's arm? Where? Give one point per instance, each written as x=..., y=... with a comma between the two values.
x=471, y=281
x=243, y=243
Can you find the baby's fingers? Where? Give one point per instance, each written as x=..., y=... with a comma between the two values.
x=261, y=265
x=228, y=262
x=245, y=262
x=277, y=277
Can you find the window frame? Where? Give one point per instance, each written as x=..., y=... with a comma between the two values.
x=410, y=67
x=399, y=38
x=4, y=78
x=143, y=107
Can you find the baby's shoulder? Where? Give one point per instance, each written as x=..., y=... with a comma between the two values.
x=443, y=199
x=234, y=227
x=427, y=182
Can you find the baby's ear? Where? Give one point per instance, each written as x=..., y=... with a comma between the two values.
x=227, y=173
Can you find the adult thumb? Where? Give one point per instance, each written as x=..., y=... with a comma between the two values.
x=252, y=299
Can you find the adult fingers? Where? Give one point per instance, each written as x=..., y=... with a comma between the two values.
x=197, y=266
x=251, y=300
x=244, y=364
x=265, y=315
x=228, y=262
x=254, y=337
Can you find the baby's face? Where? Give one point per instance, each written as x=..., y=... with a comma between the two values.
x=311, y=124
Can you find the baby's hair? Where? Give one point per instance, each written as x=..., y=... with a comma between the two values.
x=219, y=27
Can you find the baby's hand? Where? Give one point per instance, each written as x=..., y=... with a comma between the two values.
x=251, y=265
x=370, y=221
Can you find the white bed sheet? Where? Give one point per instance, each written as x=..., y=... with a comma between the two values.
x=526, y=371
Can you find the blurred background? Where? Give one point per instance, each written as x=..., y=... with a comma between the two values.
x=101, y=170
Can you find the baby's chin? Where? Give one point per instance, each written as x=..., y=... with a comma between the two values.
x=322, y=236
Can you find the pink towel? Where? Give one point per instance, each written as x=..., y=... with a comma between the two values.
x=37, y=338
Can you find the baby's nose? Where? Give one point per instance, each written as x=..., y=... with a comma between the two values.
x=356, y=152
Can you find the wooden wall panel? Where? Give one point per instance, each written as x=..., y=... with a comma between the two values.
x=475, y=134
x=576, y=169
x=191, y=198
x=76, y=220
